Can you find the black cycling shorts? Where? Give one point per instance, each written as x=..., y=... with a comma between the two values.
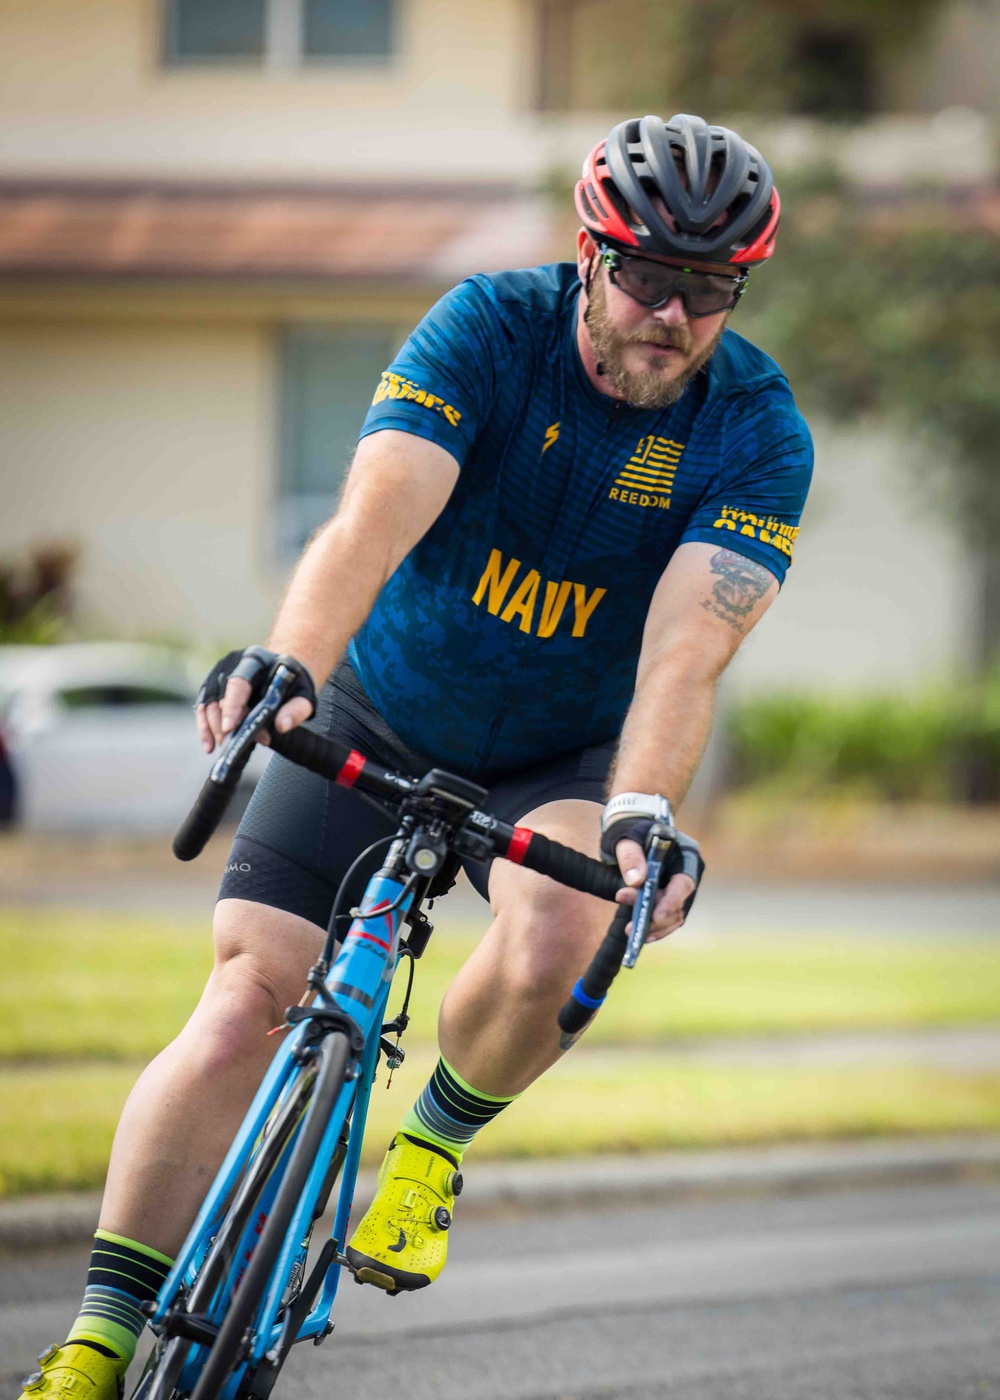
x=301, y=833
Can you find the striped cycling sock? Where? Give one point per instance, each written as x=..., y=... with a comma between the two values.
x=122, y=1274
x=450, y=1112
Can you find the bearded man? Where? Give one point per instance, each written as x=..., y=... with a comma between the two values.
x=575, y=493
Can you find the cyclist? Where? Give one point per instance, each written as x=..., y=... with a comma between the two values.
x=575, y=493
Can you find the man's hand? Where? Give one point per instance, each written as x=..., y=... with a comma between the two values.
x=626, y=824
x=236, y=683
x=669, y=913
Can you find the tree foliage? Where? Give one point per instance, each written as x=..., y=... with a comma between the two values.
x=893, y=309
x=725, y=56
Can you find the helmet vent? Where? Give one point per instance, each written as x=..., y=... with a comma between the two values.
x=595, y=201
x=621, y=208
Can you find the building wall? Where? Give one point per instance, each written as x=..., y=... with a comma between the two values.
x=143, y=425
x=85, y=93
x=880, y=590
x=150, y=446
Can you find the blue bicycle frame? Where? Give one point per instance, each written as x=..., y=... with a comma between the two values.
x=357, y=985
x=439, y=818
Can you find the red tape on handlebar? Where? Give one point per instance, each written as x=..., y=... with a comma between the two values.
x=519, y=844
x=351, y=770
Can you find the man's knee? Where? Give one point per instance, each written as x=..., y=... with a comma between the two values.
x=549, y=935
x=262, y=956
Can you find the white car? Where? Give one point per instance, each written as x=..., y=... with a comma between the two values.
x=101, y=736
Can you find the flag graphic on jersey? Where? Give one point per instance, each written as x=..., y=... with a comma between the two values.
x=647, y=478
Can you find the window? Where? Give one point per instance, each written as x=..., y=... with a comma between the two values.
x=328, y=377
x=278, y=33
x=217, y=29
x=347, y=28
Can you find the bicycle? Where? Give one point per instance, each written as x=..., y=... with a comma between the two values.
x=239, y=1295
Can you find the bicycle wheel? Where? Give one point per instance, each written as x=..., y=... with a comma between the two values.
x=163, y=1370
x=225, y=1355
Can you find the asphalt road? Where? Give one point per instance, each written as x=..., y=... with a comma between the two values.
x=887, y=1294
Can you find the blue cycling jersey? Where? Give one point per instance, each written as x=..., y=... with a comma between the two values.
x=510, y=634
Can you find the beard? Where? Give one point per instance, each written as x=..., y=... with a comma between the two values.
x=647, y=388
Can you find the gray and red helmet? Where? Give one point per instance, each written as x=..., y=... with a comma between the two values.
x=682, y=189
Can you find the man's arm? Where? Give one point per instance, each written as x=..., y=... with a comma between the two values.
x=397, y=487
x=706, y=602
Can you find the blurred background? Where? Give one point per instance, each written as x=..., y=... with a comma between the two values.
x=218, y=220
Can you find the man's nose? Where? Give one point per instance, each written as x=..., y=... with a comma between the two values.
x=673, y=312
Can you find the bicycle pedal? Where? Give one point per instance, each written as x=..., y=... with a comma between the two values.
x=375, y=1276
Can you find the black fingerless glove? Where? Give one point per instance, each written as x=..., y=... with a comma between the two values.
x=256, y=665
x=629, y=817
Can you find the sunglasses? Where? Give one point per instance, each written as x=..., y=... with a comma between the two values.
x=652, y=284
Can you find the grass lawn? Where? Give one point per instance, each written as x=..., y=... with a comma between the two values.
x=90, y=986
x=56, y=1123
x=85, y=1000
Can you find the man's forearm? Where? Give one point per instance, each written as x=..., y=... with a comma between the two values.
x=397, y=487
x=329, y=596
x=665, y=731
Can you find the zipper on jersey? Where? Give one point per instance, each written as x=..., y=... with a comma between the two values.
x=485, y=749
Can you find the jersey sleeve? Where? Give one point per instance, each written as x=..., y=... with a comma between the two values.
x=441, y=383
x=754, y=505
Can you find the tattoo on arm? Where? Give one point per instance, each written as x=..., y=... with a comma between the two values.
x=741, y=585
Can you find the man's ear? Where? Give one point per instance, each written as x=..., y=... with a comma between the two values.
x=585, y=250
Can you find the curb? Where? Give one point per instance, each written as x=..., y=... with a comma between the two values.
x=50, y=1222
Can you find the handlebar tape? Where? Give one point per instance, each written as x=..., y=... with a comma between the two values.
x=319, y=754
x=208, y=810
x=592, y=988
x=341, y=765
x=537, y=852
x=313, y=751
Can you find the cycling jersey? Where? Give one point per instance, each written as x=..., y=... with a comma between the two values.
x=511, y=632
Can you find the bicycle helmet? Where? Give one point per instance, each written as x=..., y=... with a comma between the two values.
x=682, y=189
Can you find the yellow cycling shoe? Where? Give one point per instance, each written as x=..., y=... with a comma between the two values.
x=402, y=1241
x=75, y=1372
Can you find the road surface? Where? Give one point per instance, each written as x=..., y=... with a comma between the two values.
x=882, y=1294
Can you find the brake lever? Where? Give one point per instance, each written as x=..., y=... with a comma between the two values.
x=259, y=718
x=661, y=837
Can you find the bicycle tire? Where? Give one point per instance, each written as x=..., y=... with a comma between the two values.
x=334, y=1055
x=158, y=1380
x=161, y=1383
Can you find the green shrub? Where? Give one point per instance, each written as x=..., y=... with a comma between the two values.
x=36, y=595
x=898, y=748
